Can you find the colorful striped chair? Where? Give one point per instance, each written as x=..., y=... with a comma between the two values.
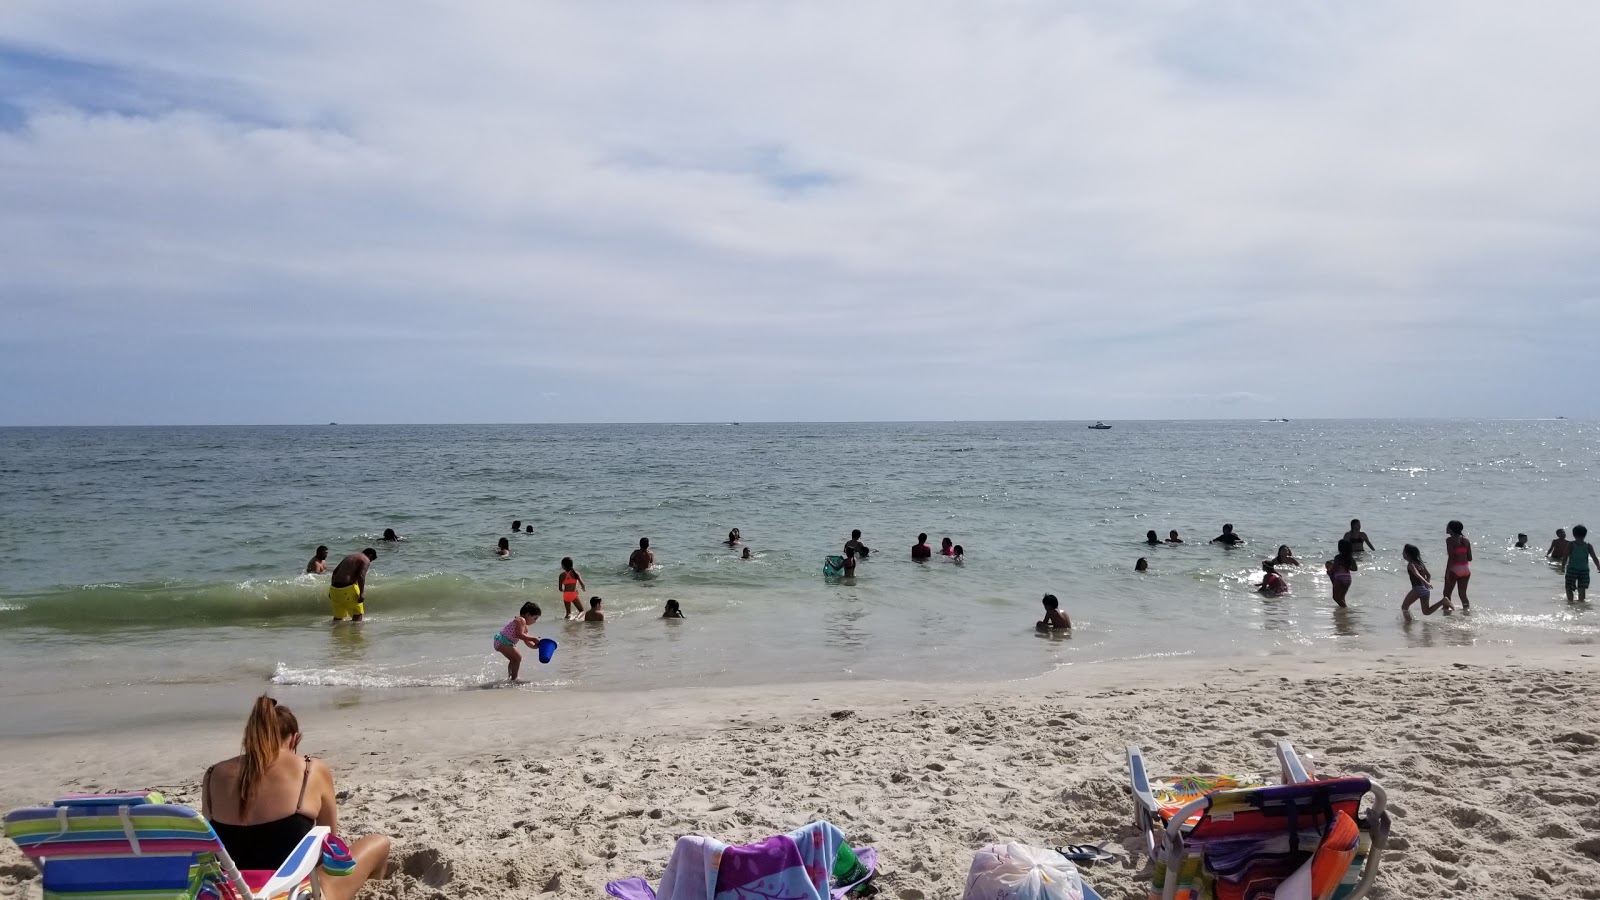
x=138, y=847
x=1224, y=837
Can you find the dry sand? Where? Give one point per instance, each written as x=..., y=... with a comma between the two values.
x=1489, y=755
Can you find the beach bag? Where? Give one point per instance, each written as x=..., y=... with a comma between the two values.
x=1019, y=872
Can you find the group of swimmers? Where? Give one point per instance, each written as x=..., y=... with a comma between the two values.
x=1573, y=556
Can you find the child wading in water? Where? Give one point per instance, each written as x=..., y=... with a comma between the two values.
x=1054, y=619
x=570, y=583
x=516, y=632
x=1421, y=583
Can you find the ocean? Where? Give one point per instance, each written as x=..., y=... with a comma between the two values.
x=155, y=572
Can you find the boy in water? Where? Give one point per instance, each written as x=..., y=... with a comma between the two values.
x=1054, y=619
x=594, y=614
x=1172, y=537
x=1559, y=547
x=319, y=561
x=1580, y=551
x=1227, y=537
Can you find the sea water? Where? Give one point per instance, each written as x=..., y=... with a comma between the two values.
x=138, y=562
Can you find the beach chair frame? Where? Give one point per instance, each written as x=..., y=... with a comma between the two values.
x=85, y=830
x=1166, y=836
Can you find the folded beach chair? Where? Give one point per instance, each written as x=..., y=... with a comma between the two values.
x=127, y=846
x=1236, y=837
x=810, y=863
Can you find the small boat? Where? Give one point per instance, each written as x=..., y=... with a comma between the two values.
x=1100, y=426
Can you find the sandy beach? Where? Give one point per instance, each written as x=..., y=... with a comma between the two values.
x=1489, y=755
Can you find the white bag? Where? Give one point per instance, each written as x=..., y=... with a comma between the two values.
x=1019, y=872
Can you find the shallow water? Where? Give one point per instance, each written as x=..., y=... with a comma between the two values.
x=169, y=556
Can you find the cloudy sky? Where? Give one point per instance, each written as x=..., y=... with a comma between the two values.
x=641, y=210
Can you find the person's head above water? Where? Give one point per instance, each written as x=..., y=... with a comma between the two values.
x=1050, y=602
x=594, y=603
x=530, y=529
x=855, y=535
x=1267, y=566
x=1455, y=527
x=322, y=551
x=1172, y=535
x=1228, y=528
x=746, y=553
x=673, y=609
x=958, y=551
x=945, y=542
x=1561, y=532
x=516, y=525
x=1283, y=551
x=370, y=553
x=733, y=536
x=850, y=552
x=1355, y=524
x=389, y=535
x=644, y=543
x=1521, y=539
x=922, y=537
x=1150, y=537
x=1142, y=565
x=505, y=543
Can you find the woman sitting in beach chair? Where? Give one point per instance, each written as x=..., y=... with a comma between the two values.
x=263, y=801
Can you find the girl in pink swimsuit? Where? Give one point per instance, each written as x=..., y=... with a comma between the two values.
x=1458, y=556
x=1339, y=569
x=516, y=632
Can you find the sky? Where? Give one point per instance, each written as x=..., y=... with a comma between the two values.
x=747, y=210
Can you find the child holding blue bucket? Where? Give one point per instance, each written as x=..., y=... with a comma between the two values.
x=516, y=632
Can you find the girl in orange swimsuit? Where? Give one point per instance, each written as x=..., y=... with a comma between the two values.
x=1458, y=556
x=570, y=583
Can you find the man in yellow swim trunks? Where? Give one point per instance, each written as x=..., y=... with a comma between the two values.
x=348, y=589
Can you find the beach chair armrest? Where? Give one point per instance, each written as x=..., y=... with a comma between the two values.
x=1294, y=771
x=300, y=865
x=1139, y=781
x=1378, y=828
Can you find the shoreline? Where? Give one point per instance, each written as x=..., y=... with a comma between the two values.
x=1487, y=754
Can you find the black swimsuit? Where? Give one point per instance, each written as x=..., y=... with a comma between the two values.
x=267, y=845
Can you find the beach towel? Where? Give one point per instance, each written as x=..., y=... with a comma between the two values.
x=793, y=866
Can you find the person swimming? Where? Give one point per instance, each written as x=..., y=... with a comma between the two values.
x=957, y=554
x=1054, y=619
x=1143, y=565
x=1172, y=537
x=1272, y=584
x=673, y=610
x=733, y=538
x=1285, y=557
x=746, y=554
x=1151, y=538
x=1522, y=542
x=389, y=535
x=1227, y=537
x=503, y=549
x=946, y=547
x=516, y=526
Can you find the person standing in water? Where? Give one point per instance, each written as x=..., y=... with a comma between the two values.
x=1522, y=542
x=1227, y=537
x=922, y=551
x=570, y=582
x=1421, y=583
x=642, y=559
x=1339, y=569
x=347, y=589
x=1358, y=538
x=849, y=562
x=1458, y=562
x=1577, y=564
x=1559, y=547
x=733, y=538
x=855, y=544
x=1285, y=557
x=319, y=561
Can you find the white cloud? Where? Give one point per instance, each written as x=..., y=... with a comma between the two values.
x=1164, y=206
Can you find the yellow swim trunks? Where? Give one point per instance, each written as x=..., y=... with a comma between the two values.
x=346, y=601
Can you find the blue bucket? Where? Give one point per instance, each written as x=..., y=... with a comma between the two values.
x=547, y=650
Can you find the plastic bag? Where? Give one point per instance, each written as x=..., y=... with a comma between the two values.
x=1019, y=872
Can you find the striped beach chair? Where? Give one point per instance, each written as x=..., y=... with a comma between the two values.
x=138, y=847
x=1226, y=837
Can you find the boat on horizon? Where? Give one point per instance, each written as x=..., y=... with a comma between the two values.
x=1100, y=426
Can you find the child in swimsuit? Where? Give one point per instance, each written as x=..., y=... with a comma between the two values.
x=673, y=610
x=504, y=549
x=957, y=554
x=1421, y=583
x=1272, y=584
x=1578, y=564
x=570, y=583
x=516, y=632
x=1054, y=619
x=1339, y=569
x=1458, y=552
